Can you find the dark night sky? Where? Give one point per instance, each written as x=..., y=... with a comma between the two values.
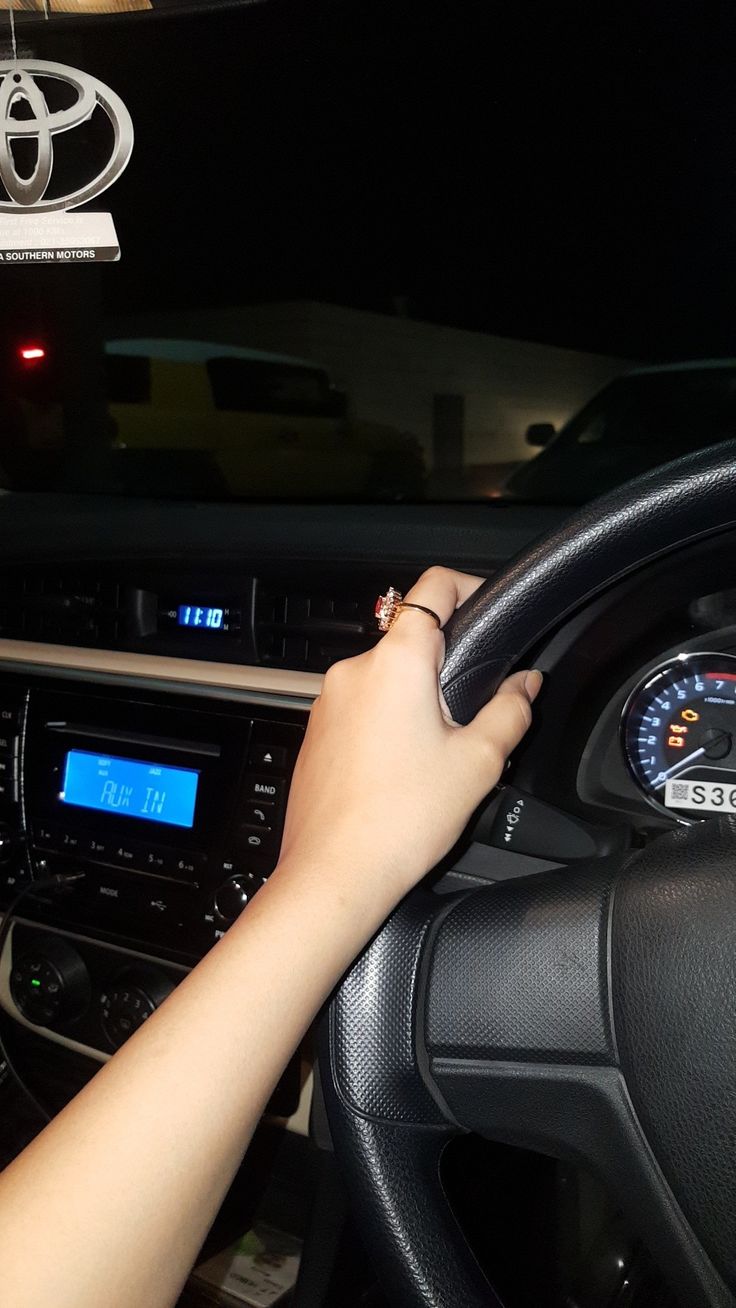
x=560, y=172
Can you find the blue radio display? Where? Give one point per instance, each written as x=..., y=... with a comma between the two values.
x=130, y=788
x=197, y=615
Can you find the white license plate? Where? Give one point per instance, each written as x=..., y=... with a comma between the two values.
x=710, y=796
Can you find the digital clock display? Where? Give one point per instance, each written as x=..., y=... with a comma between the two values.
x=201, y=616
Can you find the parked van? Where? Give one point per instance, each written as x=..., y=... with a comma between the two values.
x=260, y=424
x=626, y=429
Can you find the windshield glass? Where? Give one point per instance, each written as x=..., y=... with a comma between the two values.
x=636, y=423
x=362, y=255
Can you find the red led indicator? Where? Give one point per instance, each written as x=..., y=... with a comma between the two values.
x=32, y=353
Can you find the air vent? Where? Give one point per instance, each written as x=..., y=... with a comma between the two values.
x=313, y=628
x=64, y=607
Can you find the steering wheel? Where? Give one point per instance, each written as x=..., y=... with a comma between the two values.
x=588, y=1013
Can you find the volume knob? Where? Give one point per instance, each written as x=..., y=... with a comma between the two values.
x=233, y=895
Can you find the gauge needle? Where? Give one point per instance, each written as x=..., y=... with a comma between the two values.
x=677, y=767
x=683, y=763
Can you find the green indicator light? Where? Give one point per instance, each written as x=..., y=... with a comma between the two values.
x=36, y=983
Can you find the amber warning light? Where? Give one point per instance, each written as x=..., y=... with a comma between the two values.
x=31, y=353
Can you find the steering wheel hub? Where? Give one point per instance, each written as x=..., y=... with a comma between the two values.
x=673, y=955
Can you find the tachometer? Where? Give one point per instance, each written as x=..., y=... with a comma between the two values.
x=679, y=731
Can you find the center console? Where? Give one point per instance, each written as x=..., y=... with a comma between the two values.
x=172, y=807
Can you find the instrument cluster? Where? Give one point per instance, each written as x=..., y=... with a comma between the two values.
x=664, y=748
x=679, y=734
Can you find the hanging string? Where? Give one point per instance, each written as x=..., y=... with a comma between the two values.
x=11, y=16
x=13, y=42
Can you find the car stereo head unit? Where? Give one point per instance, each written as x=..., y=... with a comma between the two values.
x=159, y=802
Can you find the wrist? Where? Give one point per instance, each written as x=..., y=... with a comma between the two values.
x=356, y=891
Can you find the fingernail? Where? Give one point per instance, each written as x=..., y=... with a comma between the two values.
x=533, y=684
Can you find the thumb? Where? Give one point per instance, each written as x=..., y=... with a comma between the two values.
x=503, y=722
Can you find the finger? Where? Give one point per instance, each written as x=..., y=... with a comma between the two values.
x=443, y=590
x=438, y=589
x=505, y=719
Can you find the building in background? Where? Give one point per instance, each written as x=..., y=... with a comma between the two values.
x=466, y=396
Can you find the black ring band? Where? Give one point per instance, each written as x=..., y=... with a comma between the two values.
x=422, y=609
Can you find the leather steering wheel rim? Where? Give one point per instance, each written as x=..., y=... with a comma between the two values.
x=405, y=1063
x=662, y=511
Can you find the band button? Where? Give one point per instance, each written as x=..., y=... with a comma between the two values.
x=265, y=788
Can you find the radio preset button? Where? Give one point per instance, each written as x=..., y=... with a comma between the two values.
x=49, y=836
x=154, y=861
x=188, y=866
x=123, y=855
x=67, y=842
x=45, y=838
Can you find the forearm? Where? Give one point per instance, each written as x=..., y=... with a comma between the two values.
x=135, y=1168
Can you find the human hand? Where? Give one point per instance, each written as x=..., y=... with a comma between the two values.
x=386, y=782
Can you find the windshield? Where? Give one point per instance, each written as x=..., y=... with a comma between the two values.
x=634, y=424
x=362, y=254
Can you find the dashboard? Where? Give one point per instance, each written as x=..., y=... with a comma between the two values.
x=157, y=666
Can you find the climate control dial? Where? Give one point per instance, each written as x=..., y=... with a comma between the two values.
x=49, y=982
x=129, y=1001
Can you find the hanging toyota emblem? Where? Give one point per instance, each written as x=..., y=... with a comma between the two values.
x=19, y=83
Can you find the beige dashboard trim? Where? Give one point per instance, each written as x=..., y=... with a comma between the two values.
x=298, y=688
x=298, y=1123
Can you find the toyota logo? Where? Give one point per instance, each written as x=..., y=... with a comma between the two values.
x=39, y=124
